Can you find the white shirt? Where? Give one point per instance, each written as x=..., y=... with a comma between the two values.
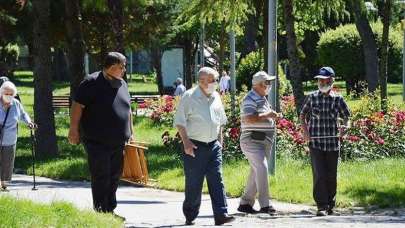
x=224, y=83
x=201, y=116
x=180, y=89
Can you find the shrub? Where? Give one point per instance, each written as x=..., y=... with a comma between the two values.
x=253, y=63
x=8, y=58
x=248, y=66
x=341, y=49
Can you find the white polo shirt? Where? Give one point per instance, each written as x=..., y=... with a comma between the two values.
x=201, y=116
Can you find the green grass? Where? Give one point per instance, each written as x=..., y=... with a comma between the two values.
x=394, y=93
x=380, y=182
x=24, y=213
x=138, y=86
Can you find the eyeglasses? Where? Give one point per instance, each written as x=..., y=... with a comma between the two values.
x=122, y=66
x=267, y=82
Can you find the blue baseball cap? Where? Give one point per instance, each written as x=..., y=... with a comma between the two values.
x=325, y=72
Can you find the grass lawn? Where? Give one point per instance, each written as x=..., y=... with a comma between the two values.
x=24, y=213
x=380, y=182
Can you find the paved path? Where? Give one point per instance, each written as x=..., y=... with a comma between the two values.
x=145, y=207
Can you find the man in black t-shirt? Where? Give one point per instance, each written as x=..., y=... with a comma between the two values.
x=101, y=107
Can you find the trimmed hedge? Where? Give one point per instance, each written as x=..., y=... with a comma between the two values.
x=341, y=49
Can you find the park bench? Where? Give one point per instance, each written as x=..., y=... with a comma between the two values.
x=139, y=100
x=135, y=166
x=61, y=101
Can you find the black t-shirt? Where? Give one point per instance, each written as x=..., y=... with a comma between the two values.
x=105, y=118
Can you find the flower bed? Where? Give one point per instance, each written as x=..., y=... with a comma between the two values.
x=373, y=134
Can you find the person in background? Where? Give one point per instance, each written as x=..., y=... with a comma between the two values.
x=11, y=112
x=180, y=88
x=225, y=83
x=199, y=118
x=256, y=140
x=319, y=117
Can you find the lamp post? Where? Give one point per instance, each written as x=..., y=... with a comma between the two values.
x=402, y=3
x=272, y=70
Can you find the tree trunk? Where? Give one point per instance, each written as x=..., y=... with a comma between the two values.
x=251, y=28
x=44, y=117
x=156, y=55
x=188, y=53
x=75, y=44
x=384, y=54
x=292, y=51
x=368, y=41
x=266, y=34
x=60, y=71
x=222, y=45
x=117, y=14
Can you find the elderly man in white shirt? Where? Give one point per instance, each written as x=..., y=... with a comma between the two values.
x=199, y=119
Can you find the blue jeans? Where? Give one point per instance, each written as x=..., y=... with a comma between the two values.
x=206, y=163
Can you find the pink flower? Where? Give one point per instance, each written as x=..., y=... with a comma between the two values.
x=285, y=124
x=400, y=117
x=380, y=141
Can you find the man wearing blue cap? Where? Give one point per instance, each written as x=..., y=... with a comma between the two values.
x=319, y=116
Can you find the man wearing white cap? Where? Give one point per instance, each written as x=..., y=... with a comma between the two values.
x=258, y=127
x=319, y=116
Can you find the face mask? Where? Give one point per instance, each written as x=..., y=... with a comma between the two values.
x=7, y=98
x=324, y=88
x=211, y=88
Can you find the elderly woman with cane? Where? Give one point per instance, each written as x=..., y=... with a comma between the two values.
x=11, y=112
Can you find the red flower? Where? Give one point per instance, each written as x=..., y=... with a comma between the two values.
x=143, y=105
x=353, y=138
x=234, y=133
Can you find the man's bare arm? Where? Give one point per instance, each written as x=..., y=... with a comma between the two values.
x=188, y=145
x=76, y=112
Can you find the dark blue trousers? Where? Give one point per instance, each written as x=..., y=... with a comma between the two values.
x=206, y=163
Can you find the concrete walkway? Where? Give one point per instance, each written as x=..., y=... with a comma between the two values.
x=146, y=207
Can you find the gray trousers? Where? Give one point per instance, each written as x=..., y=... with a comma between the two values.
x=7, y=155
x=257, y=153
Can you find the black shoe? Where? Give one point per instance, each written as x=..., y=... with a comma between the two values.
x=268, y=210
x=321, y=212
x=119, y=217
x=189, y=222
x=222, y=219
x=246, y=208
x=4, y=188
x=330, y=211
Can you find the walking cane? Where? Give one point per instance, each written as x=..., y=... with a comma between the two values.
x=33, y=144
x=328, y=137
